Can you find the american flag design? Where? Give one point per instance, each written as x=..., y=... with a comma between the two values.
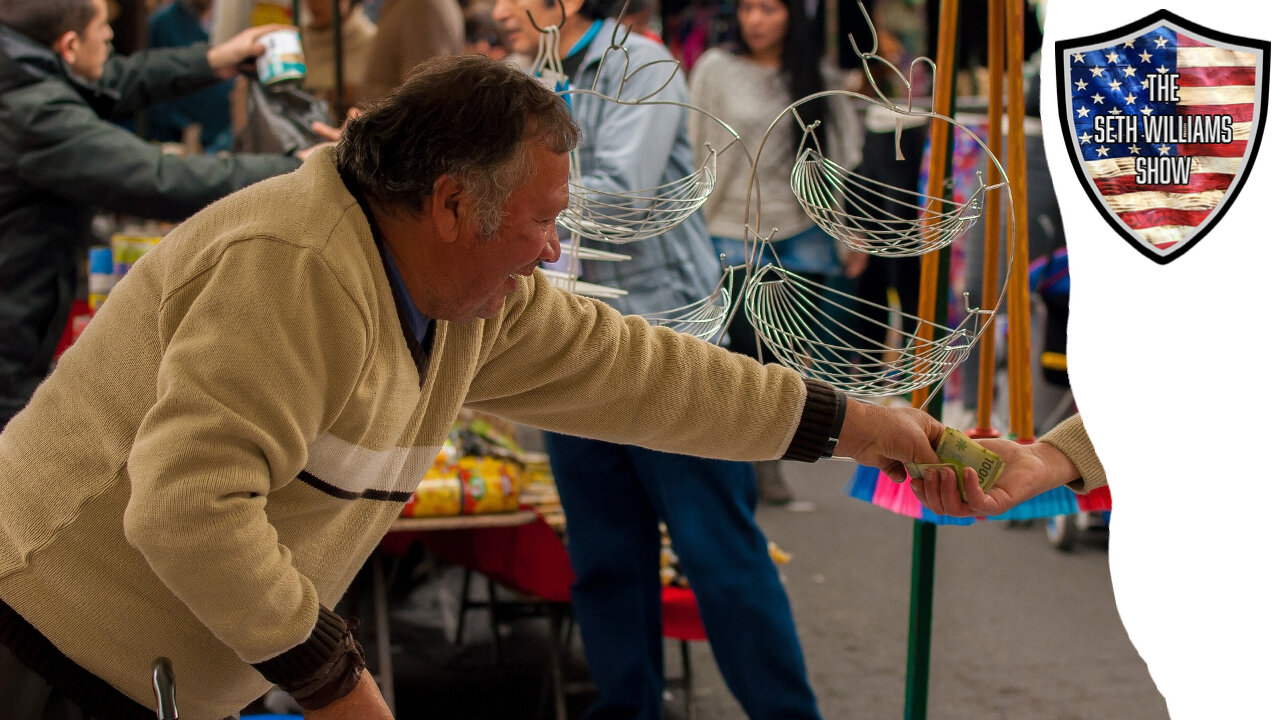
x=1164, y=122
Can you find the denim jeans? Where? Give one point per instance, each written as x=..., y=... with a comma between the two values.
x=614, y=496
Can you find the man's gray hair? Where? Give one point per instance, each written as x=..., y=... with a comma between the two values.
x=465, y=116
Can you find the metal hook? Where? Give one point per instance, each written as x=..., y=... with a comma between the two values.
x=875, y=38
x=546, y=30
x=613, y=39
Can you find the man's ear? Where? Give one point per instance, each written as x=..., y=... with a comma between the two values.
x=67, y=46
x=446, y=205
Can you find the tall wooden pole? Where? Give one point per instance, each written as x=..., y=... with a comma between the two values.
x=932, y=304
x=1020, y=415
x=939, y=141
x=994, y=211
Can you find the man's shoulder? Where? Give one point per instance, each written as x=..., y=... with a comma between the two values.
x=306, y=207
x=24, y=64
x=29, y=97
x=307, y=210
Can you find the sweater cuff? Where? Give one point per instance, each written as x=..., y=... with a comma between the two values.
x=820, y=421
x=323, y=668
x=1070, y=437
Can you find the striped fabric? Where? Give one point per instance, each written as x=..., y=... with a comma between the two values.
x=1163, y=155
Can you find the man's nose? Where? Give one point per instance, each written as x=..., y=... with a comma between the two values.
x=551, y=251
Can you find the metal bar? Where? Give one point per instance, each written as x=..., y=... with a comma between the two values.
x=920, y=630
x=339, y=88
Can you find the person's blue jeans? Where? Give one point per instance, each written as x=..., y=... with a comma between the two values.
x=614, y=496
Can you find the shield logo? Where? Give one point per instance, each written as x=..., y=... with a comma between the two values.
x=1162, y=119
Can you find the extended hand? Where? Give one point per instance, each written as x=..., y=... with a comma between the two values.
x=226, y=58
x=329, y=133
x=1028, y=471
x=887, y=437
x=363, y=703
x=853, y=262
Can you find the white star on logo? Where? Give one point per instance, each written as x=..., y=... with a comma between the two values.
x=1097, y=71
x=1128, y=72
x=1134, y=149
x=1080, y=84
x=1115, y=85
x=1114, y=111
x=1102, y=151
x=1161, y=41
x=1078, y=57
x=1128, y=43
x=1112, y=57
x=1164, y=149
x=1097, y=99
x=1082, y=112
x=1162, y=69
x=1146, y=110
x=1086, y=138
x=1128, y=99
x=1146, y=56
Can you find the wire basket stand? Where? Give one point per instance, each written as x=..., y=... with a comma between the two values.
x=618, y=218
x=824, y=189
x=811, y=328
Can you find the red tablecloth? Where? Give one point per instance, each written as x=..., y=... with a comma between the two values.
x=532, y=559
x=528, y=558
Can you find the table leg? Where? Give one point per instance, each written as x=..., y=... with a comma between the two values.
x=382, y=628
x=557, y=672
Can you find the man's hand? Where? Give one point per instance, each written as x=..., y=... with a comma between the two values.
x=363, y=703
x=854, y=263
x=328, y=132
x=887, y=437
x=1028, y=471
x=227, y=58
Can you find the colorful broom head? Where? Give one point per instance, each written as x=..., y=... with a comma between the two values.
x=870, y=485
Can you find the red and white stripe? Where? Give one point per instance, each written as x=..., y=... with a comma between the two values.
x=1212, y=81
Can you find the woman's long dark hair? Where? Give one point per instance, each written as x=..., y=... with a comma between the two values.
x=801, y=64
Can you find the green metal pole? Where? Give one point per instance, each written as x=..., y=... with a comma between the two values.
x=920, y=629
x=923, y=549
x=925, y=535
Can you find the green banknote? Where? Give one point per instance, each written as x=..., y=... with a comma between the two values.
x=916, y=470
x=957, y=451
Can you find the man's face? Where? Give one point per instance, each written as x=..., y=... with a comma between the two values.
x=93, y=45
x=483, y=270
x=519, y=35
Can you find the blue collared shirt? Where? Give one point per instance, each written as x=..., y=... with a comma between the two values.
x=420, y=324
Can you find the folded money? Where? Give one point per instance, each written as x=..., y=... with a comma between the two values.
x=916, y=470
x=957, y=451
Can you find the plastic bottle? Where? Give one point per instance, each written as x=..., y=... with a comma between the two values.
x=101, y=276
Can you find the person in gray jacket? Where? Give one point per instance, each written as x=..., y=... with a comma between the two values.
x=61, y=157
x=615, y=495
